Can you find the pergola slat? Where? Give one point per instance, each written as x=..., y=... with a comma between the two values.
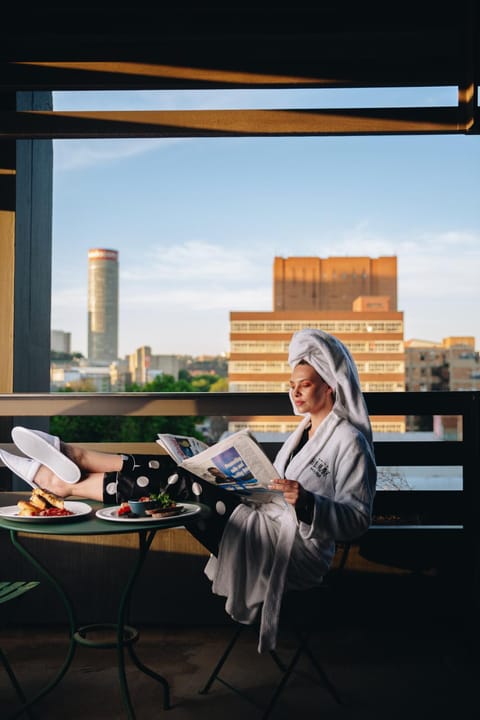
x=228, y=123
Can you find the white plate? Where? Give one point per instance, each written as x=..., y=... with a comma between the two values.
x=10, y=512
x=111, y=513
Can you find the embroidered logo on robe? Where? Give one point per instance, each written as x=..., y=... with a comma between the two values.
x=320, y=468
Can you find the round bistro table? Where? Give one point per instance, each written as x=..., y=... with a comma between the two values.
x=126, y=635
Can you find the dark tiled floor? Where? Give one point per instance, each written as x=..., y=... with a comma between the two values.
x=382, y=671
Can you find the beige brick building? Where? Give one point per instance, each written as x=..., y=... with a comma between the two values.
x=452, y=364
x=371, y=327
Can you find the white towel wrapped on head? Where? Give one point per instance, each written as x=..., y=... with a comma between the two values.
x=333, y=362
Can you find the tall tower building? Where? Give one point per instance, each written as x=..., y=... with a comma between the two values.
x=102, y=305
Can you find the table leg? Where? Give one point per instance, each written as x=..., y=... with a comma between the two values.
x=71, y=621
x=145, y=539
x=125, y=635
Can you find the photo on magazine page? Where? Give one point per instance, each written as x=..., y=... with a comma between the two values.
x=181, y=447
x=230, y=472
x=229, y=467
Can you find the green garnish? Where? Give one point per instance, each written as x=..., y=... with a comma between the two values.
x=163, y=499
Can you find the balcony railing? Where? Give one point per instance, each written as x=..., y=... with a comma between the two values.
x=441, y=507
x=439, y=537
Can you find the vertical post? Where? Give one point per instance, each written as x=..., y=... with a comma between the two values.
x=7, y=265
x=467, y=89
x=26, y=172
x=471, y=495
x=7, y=250
x=33, y=256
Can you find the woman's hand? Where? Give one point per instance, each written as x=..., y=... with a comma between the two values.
x=296, y=495
x=293, y=492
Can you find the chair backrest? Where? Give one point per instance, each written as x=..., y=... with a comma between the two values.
x=9, y=590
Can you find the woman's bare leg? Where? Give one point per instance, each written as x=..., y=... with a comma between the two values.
x=90, y=486
x=92, y=461
x=93, y=465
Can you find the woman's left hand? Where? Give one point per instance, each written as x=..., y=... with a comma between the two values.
x=293, y=492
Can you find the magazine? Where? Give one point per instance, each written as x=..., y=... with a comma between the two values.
x=236, y=464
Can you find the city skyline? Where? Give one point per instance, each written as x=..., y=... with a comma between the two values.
x=197, y=224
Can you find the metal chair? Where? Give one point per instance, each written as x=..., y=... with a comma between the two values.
x=296, y=617
x=11, y=590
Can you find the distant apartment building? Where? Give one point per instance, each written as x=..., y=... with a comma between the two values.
x=61, y=341
x=120, y=377
x=143, y=366
x=102, y=305
x=452, y=364
x=371, y=327
x=81, y=377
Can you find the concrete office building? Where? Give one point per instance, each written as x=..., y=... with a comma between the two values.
x=102, y=305
x=372, y=328
x=143, y=366
x=61, y=341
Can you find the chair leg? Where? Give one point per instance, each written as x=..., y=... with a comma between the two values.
x=15, y=683
x=278, y=661
x=320, y=670
x=222, y=660
x=287, y=671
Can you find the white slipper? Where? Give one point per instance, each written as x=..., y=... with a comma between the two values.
x=21, y=466
x=45, y=449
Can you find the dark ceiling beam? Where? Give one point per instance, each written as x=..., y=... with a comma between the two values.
x=230, y=123
x=311, y=58
x=188, y=70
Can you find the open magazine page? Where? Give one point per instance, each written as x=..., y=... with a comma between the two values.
x=237, y=464
x=180, y=447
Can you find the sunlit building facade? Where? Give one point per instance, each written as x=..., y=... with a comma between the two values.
x=333, y=283
x=371, y=329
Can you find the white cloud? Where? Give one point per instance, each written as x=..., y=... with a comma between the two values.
x=199, y=276
x=79, y=154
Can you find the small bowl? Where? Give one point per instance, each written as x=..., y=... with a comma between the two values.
x=139, y=506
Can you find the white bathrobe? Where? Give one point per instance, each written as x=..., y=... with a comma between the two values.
x=265, y=550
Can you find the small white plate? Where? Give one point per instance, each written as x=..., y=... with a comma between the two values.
x=10, y=512
x=111, y=513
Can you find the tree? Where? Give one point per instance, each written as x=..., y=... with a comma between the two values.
x=220, y=385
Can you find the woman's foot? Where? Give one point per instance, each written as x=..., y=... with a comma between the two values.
x=23, y=467
x=89, y=487
x=66, y=461
x=46, y=450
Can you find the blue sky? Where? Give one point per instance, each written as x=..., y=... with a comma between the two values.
x=198, y=222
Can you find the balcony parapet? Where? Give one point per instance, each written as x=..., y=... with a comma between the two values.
x=27, y=408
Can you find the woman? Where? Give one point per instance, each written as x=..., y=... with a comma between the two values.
x=327, y=479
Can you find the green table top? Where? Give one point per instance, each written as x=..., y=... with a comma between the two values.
x=90, y=524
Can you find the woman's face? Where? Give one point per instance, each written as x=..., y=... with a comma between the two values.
x=309, y=392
